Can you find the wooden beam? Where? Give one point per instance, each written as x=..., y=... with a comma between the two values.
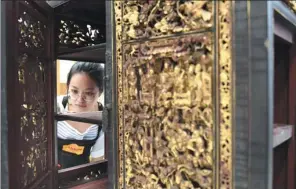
x=80, y=18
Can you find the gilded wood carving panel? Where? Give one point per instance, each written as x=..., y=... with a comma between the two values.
x=169, y=77
x=168, y=113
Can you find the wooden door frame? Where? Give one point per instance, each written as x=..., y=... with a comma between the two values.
x=111, y=98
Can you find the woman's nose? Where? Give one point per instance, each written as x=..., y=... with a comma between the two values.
x=81, y=98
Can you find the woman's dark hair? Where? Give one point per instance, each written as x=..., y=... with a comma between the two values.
x=94, y=70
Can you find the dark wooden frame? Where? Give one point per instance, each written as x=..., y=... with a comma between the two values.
x=253, y=90
x=110, y=97
x=81, y=54
x=292, y=116
x=69, y=174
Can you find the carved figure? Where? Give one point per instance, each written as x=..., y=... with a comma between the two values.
x=207, y=86
x=156, y=18
x=165, y=86
x=132, y=84
x=177, y=130
x=182, y=98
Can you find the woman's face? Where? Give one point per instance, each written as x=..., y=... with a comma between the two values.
x=83, y=93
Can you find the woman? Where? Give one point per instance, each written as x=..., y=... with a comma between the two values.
x=76, y=139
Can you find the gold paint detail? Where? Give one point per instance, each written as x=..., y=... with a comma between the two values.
x=164, y=90
x=168, y=122
x=165, y=108
x=225, y=66
x=143, y=19
x=118, y=6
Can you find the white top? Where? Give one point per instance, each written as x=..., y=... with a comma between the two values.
x=66, y=131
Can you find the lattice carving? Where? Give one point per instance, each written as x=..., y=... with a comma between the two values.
x=32, y=98
x=225, y=65
x=31, y=31
x=144, y=19
x=75, y=34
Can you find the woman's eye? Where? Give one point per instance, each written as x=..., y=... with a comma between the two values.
x=89, y=94
x=74, y=91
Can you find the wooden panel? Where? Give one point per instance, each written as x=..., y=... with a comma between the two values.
x=281, y=82
x=292, y=84
x=158, y=118
x=280, y=164
x=292, y=113
x=29, y=95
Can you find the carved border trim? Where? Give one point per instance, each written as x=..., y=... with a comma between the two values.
x=225, y=92
x=118, y=6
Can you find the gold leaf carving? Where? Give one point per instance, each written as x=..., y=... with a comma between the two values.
x=165, y=86
x=225, y=65
x=144, y=19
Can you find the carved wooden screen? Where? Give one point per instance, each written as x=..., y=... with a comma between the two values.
x=174, y=93
x=76, y=34
x=30, y=115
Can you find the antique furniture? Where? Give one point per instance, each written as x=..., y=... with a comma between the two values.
x=189, y=94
